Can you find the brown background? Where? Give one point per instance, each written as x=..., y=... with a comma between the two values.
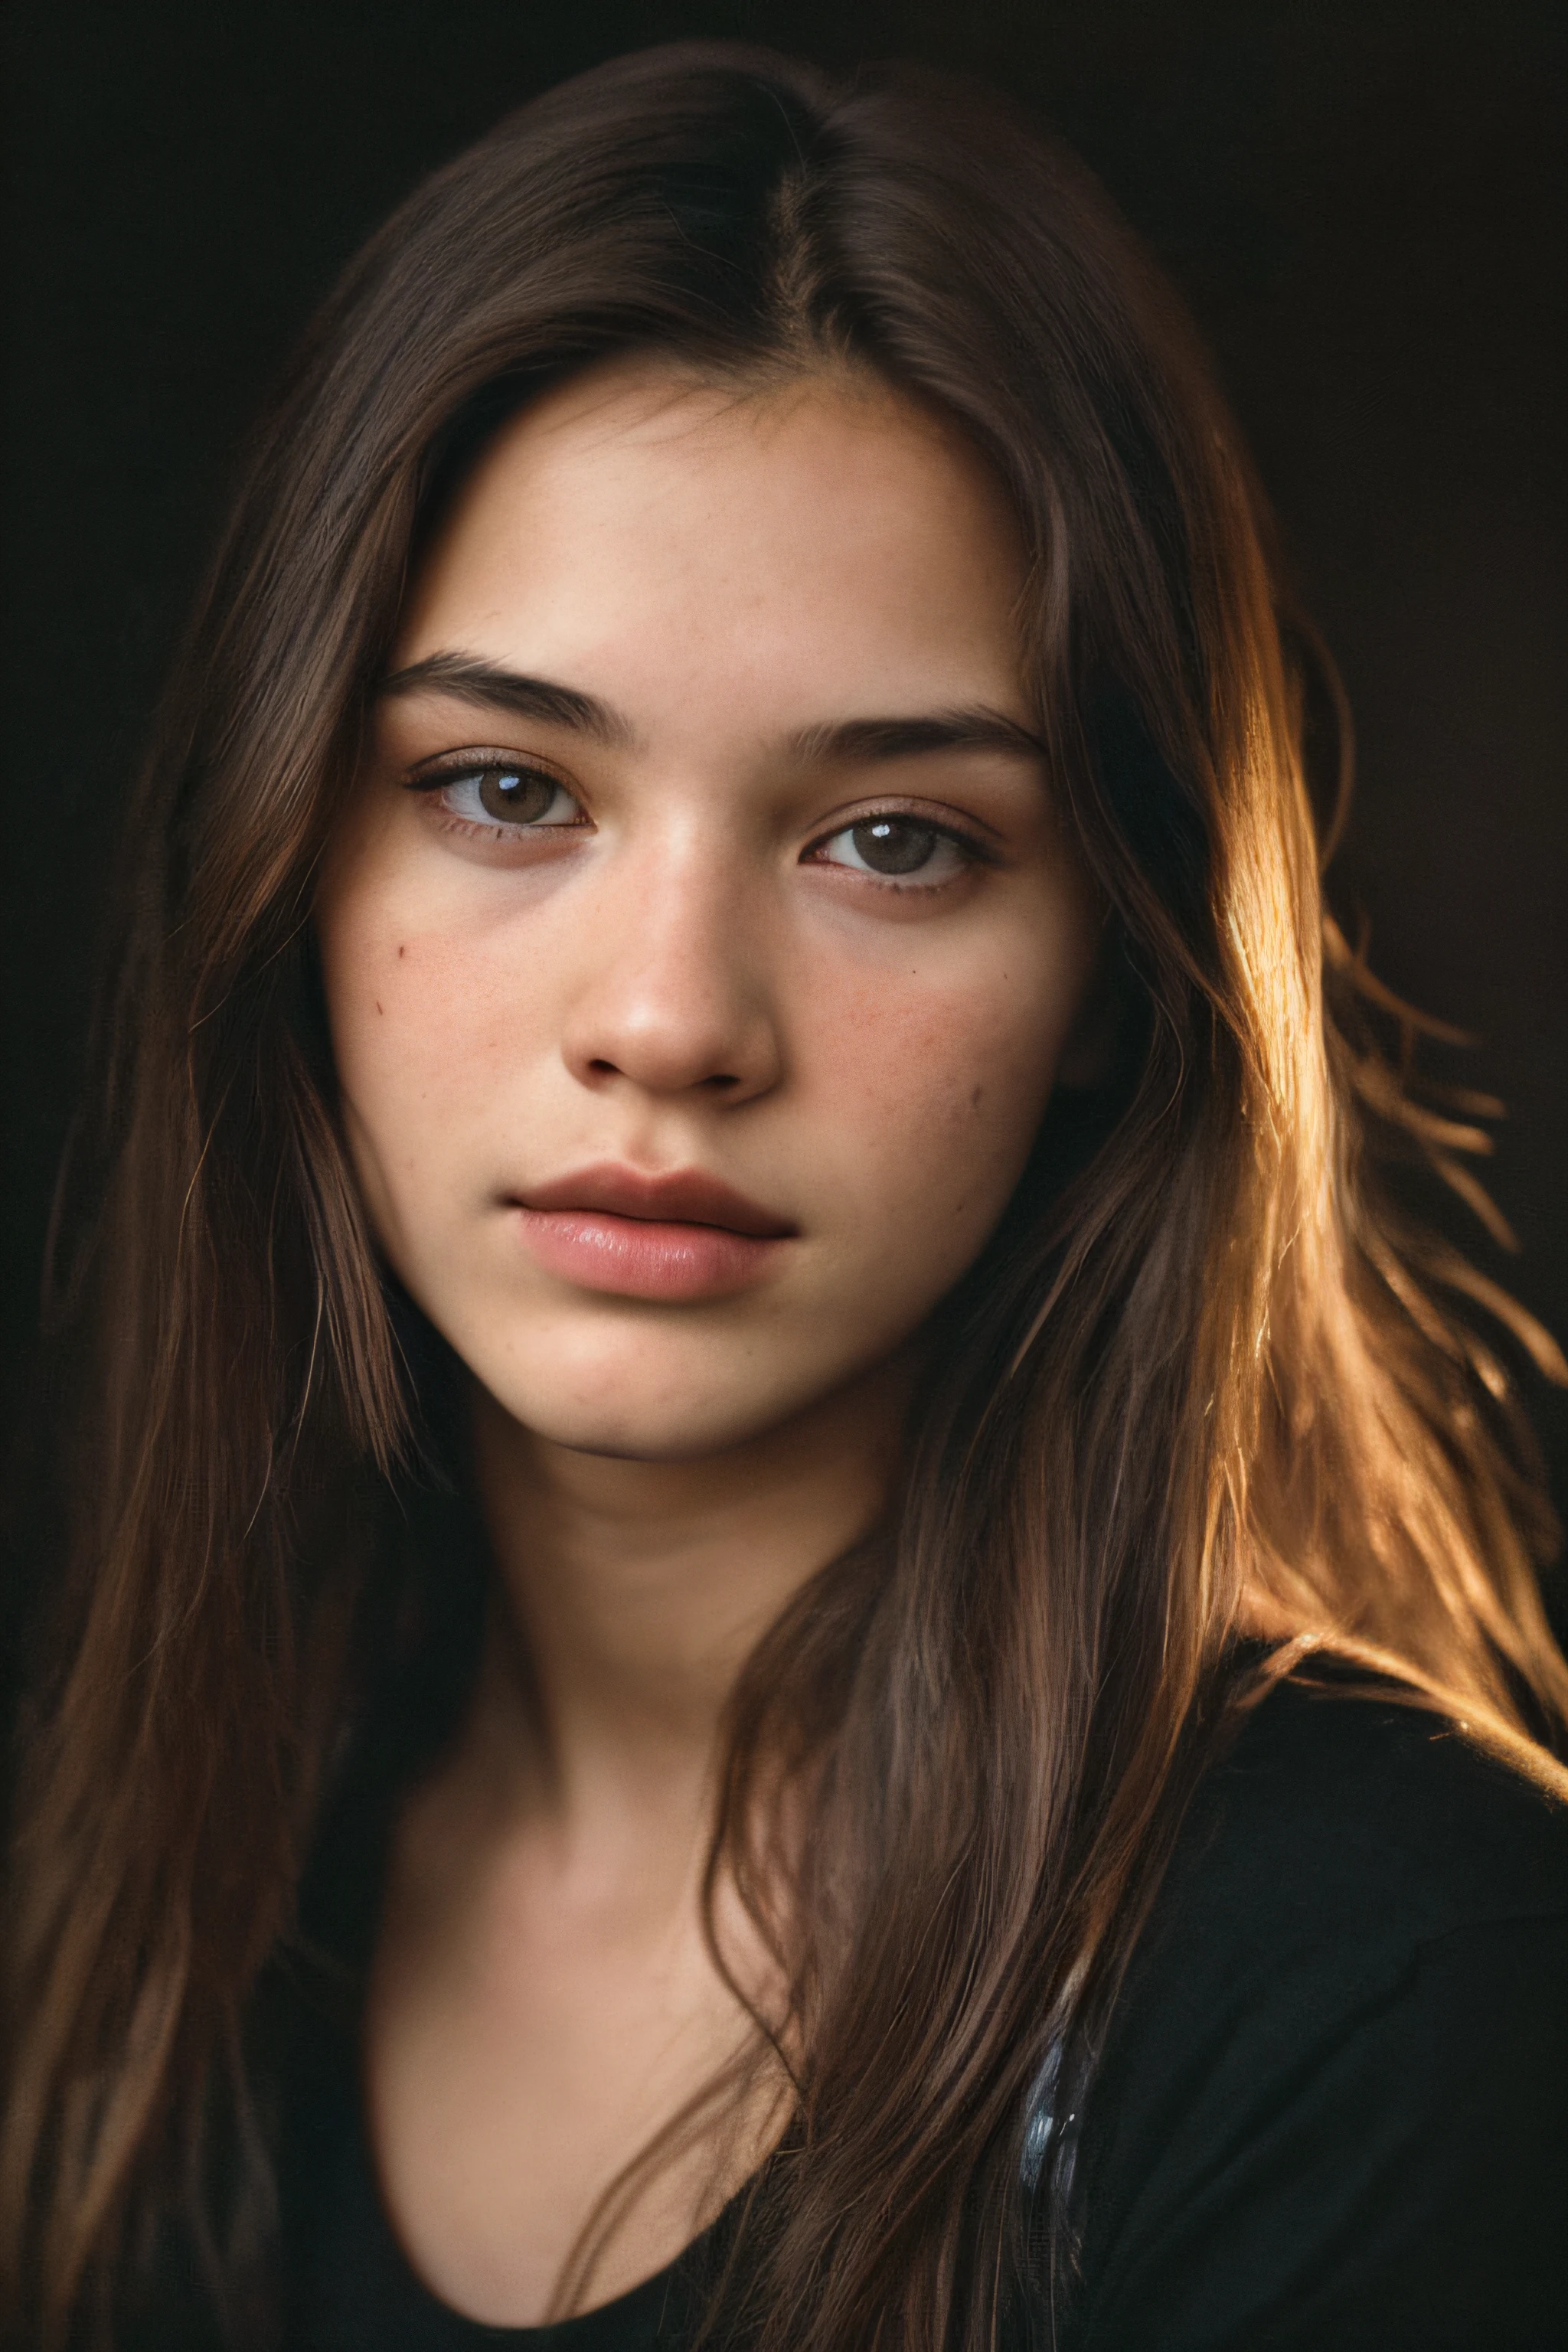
x=1364, y=204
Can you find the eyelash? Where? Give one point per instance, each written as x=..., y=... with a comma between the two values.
x=469, y=770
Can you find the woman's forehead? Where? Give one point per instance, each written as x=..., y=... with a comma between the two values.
x=801, y=543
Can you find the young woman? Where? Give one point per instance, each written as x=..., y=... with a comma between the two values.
x=775, y=1606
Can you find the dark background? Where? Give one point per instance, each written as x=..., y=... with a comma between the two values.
x=1364, y=204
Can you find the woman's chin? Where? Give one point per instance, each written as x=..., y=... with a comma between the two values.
x=638, y=1420
x=630, y=1398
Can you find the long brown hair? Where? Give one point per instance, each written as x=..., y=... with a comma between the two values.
x=1205, y=1376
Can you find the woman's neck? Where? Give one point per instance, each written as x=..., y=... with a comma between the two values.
x=630, y=1593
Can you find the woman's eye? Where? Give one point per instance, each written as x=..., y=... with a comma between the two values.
x=499, y=794
x=897, y=848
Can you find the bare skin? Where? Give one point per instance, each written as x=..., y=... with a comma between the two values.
x=707, y=921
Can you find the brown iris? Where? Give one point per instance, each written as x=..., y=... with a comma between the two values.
x=516, y=795
x=892, y=845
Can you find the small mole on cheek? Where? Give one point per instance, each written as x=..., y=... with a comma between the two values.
x=974, y=1098
x=378, y=1004
x=402, y=951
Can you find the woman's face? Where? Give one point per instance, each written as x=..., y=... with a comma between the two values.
x=703, y=947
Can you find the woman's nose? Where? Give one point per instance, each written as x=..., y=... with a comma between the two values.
x=675, y=996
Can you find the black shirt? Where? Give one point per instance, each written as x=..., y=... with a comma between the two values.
x=1331, y=2110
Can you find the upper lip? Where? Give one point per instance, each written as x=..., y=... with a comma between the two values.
x=684, y=1196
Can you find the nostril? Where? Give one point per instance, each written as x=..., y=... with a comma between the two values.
x=718, y=1081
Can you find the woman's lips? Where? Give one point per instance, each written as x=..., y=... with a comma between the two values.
x=678, y=1236
x=639, y=1258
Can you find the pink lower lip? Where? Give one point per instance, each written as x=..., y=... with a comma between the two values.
x=638, y=1257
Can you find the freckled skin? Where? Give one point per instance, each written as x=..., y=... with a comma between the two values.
x=679, y=979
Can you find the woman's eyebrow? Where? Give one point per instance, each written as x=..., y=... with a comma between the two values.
x=486, y=683
x=861, y=742
x=865, y=741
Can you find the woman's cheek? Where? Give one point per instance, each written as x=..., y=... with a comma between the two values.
x=414, y=1044
x=939, y=1094
x=422, y=999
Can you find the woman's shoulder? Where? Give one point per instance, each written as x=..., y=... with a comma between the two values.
x=1332, y=2101
x=1358, y=1823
